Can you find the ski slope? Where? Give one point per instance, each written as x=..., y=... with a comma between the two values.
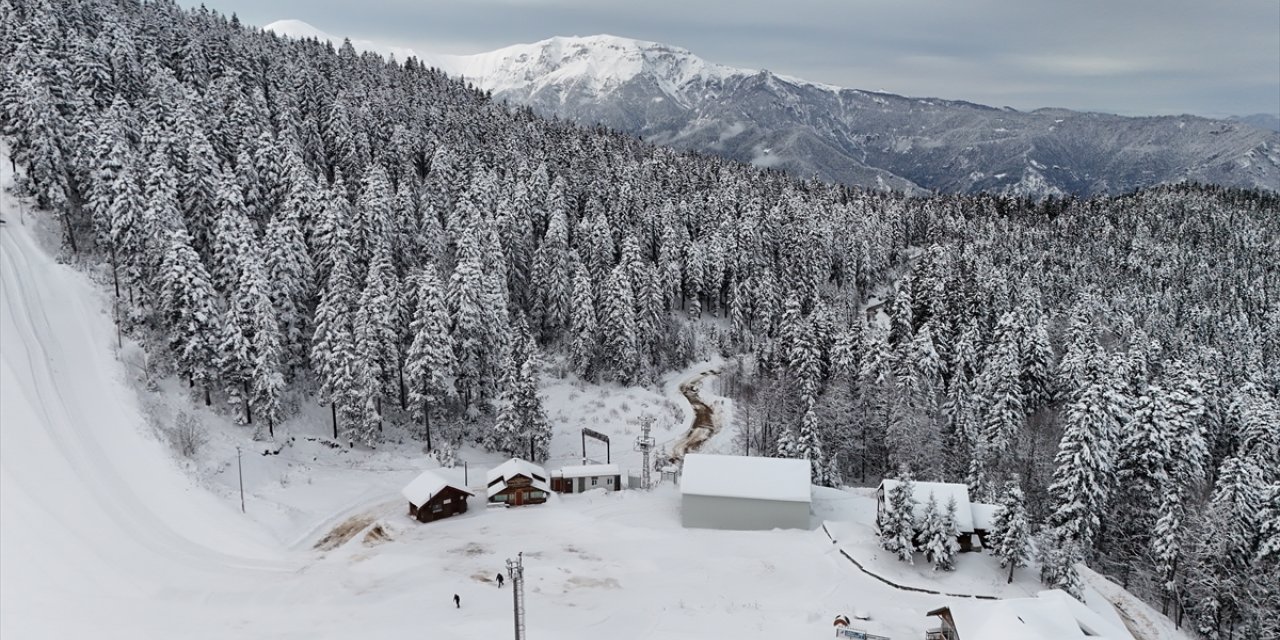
x=93, y=511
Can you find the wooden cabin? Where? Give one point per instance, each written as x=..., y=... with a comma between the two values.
x=432, y=497
x=517, y=483
x=586, y=477
x=973, y=519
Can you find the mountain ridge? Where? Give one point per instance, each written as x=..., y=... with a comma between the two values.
x=670, y=96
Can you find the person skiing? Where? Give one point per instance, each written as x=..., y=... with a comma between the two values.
x=457, y=602
x=499, y=580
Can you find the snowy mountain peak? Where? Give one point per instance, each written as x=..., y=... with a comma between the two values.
x=297, y=29
x=594, y=63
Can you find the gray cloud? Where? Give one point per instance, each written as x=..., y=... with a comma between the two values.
x=1132, y=57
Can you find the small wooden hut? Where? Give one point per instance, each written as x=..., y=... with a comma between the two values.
x=431, y=497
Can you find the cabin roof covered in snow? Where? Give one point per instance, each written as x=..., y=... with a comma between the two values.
x=588, y=471
x=512, y=468
x=943, y=492
x=426, y=485
x=984, y=515
x=781, y=479
x=1052, y=615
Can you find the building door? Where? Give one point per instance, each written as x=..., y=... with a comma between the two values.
x=517, y=497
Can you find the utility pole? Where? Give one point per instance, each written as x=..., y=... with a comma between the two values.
x=644, y=444
x=515, y=571
x=240, y=472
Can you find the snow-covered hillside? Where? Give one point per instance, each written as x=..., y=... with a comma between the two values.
x=105, y=535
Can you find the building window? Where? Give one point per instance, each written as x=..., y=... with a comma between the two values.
x=501, y=497
x=595, y=481
x=608, y=481
x=537, y=494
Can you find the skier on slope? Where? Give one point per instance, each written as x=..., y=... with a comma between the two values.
x=499, y=580
x=457, y=602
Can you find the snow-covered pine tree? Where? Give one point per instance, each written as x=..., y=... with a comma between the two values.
x=1143, y=457
x=1058, y=557
x=1084, y=471
x=188, y=306
x=376, y=340
x=1227, y=546
x=945, y=551
x=236, y=356
x=582, y=324
x=233, y=237
x=371, y=224
x=808, y=446
x=429, y=362
x=1003, y=415
x=265, y=375
x=290, y=275
x=898, y=526
x=472, y=322
x=1269, y=529
x=1166, y=546
x=333, y=349
x=1011, y=533
x=522, y=428
x=620, y=355
x=121, y=207
x=553, y=273
x=804, y=360
x=938, y=534
x=932, y=535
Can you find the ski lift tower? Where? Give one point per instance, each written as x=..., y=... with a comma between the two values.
x=644, y=444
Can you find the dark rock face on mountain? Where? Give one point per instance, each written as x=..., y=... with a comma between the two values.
x=669, y=96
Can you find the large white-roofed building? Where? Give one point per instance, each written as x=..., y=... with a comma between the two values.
x=738, y=492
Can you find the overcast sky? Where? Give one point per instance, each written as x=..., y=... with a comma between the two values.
x=1134, y=57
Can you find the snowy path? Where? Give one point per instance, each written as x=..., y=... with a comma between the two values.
x=704, y=423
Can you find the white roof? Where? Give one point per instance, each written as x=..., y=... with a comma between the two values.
x=512, y=468
x=1053, y=615
x=589, y=470
x=426, y=485
x=783, y=479
x=943, y=492
x=984, y=515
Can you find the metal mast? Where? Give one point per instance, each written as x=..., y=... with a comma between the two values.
x=515, y=571
x=644, y=444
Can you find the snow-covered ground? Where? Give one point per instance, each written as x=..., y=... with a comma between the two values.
x=105, y=533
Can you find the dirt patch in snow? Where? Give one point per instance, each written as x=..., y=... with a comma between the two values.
x=376, y=535
x=344, y=532
x=598, y=583
x=471, y=549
